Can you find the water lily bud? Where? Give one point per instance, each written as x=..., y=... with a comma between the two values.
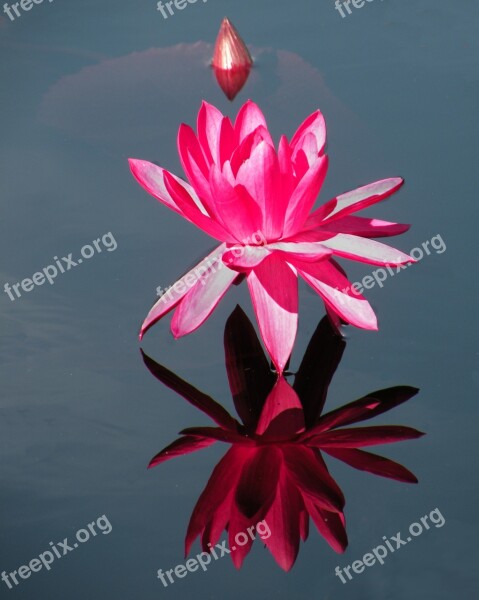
x=232, y=61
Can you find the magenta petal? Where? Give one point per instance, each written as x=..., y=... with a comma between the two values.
x=363, y=436
x=209, y=127
x=353, y=201
x=225, y=476
x=304, y=251
x=336, y=291
x=239, y=212
x=218, y=434
x=179, y=447
x=245, y=258
x=249, y=374
x=304, y=196
x=192, y=395
x=178, y=290
x=364, y=227
x=312, y=478
x=274, y=292
x=330, y=525
x=365, y=408
x=282, y=400
x=151, y=178
x=366, y=250
x=260, y=176
x=201, y=300
x=259, y=477
x=373, y=463
x=314, y=125
x=249, y=118
x=285, y=520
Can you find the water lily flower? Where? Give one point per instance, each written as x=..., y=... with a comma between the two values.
x=257, y=201
x=232, y=61
x=274, y=470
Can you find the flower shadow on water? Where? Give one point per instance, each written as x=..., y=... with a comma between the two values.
x=274, y=470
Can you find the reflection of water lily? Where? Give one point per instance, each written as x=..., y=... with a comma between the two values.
x=274, y=469
x=232, y=61
x=242, y=189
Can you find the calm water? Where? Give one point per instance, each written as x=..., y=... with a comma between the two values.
x=87, y=84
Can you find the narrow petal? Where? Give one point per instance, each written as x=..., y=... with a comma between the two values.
x=259, y=478
x=179, y=447
x=245, y=258
x=209, y=127
x=284, y=522
x=282, y=414
x=198, y=399
x=314, y=125
x=202, y=299
x=249, y=118
x=216, y=433
x=239, y=212
x=353, y=201
x=260, y=176
x=364, y=227
x=365, y=250
x=249, y=375
x=312, y=478
x=304, y=196
x=152, y=178
x=330, y=525
x=336, y=291
x=372, y=405
x=307, y=251
x=224, y=478
x=178, y=290
x=355, y=437
x=320, y=361
x=274, y=292
x=189, y=209
x=373, y=463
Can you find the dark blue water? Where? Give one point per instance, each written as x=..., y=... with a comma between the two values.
x=85, y=85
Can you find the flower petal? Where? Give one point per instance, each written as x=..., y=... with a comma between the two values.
x=224, y=477
x=282, y=414
x=249, y=118
x=373, y=463
x=320, y=361
x=365, y=408
x=179, y=447
x=313, y=478
x=274, y=292
x=353, y=201
x=336, y=291
x=192, y=395
x=202, y=299
x=244, y=258
x=209, y=127
x=365, y=250
x=313, y=125
x=284, y=522
x=364, y=227
x=178, y=290
x=304, y=196
x=249, y=375
x=355, y=437
x=330, y=525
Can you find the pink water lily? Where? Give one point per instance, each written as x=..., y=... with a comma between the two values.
x=274, y=469
x=257, y=201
